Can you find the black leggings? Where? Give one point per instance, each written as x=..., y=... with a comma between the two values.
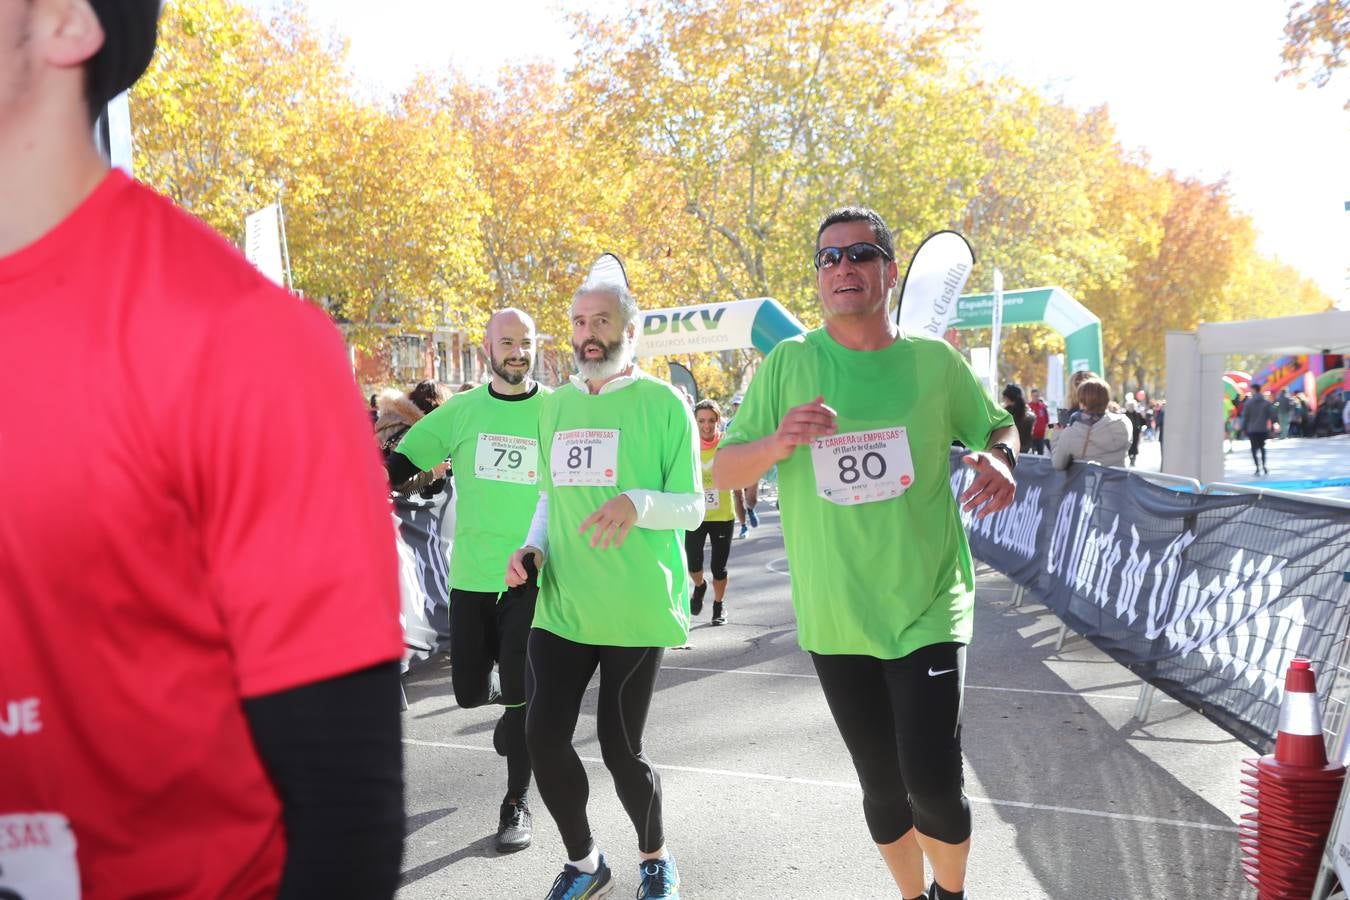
x=719, y=533
x=1258, y=440
x=559, y=671
x=901, y=722
x=487, y=629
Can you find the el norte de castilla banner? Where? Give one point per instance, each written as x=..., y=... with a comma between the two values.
x=1207, y=597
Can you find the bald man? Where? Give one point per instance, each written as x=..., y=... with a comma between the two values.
x=490, y=434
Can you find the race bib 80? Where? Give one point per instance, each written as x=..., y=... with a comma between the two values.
x=37, y=858
x=585, y=457
x=862, y=466
x=505, y=457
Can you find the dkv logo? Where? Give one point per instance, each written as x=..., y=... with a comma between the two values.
x=693, y=320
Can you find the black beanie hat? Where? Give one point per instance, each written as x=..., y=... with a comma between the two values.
x=128, y=45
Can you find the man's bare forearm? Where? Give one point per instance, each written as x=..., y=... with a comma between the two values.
x=742, y=465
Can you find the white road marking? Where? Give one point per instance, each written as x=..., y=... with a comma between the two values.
x=774, y=562
x=970, y=687
x=853, y=787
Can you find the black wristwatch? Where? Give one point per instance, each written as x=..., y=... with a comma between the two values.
x=1008, y=455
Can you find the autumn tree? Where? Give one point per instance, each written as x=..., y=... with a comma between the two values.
x=1316, y=36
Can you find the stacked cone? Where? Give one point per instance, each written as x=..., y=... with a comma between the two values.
x=1292, y=796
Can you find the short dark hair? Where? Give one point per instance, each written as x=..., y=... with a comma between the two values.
x=880, y=233
x=426, y=395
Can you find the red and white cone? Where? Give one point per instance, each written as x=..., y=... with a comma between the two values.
x=1298, y=740
x=1291, y=796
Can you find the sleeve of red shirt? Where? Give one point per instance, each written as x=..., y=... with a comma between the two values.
x=286, y=483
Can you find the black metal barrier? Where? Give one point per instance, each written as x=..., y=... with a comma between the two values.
x=1206, y=597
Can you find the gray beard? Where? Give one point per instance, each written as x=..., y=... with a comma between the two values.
x=600, y=369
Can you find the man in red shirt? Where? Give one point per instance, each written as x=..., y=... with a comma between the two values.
x=198, y=648
x=1038, y=442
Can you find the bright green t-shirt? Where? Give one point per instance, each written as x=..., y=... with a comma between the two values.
x=639, y=436
x=492, y=441
x=716, y=504
x=881, y=567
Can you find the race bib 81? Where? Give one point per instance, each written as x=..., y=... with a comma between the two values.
x=585, y=457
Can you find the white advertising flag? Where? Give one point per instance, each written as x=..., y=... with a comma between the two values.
x=262, y=243
x=934, y=281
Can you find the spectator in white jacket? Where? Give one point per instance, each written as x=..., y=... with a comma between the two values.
x=1096, y=434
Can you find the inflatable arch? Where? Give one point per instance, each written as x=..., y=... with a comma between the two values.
x=1051, y=306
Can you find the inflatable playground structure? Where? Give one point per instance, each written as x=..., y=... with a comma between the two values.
x=1317, y=376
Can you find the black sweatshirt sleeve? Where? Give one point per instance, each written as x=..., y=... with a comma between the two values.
x=399, y=468
x=334, y=752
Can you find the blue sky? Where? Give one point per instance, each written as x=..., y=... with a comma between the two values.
x=1190, y=81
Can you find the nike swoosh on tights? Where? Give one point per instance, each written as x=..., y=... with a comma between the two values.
x=934, y=673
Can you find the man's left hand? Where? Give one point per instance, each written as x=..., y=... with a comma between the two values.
x=993, y=488
x=612, y=522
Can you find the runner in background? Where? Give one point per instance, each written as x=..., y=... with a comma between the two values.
x=199, y=638
x=860, y=421
x=490, y=433
x=746, y=498
x=619, y=490
x=717, y=519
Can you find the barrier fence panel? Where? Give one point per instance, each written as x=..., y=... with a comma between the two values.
x=1205, y=597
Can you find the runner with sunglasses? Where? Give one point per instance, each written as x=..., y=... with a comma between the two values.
x=619, y=487
x=859, y=419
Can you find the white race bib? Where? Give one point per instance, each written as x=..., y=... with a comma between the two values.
x=711, y=500
x=585, y=457
x=37, y=857
x=862, y=466
x=505, y=457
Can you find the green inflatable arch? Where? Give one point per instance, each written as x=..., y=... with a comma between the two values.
x=1051, y=306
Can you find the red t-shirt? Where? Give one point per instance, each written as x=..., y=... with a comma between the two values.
x=1042, y=419
x=192, y=512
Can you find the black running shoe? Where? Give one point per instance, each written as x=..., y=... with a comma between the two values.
x=718, y=617
x=696, y=598
x=514, y=830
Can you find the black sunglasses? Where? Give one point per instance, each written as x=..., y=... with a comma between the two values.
x=863, y=252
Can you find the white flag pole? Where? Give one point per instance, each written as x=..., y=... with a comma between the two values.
x=997, y=333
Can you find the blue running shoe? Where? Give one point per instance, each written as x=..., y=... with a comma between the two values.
x=658, y=879
x=754, y=519
x=574, y=884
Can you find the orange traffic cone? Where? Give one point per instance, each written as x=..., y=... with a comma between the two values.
x=1298, y=740
x=1293, y=794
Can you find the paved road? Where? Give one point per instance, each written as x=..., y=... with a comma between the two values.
x=1072, y=798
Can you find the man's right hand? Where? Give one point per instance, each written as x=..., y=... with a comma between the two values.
x=516, y=573
x=803, y=424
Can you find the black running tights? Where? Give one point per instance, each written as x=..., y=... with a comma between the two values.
x=901, y=722
x=559, y=671
x=486, y=629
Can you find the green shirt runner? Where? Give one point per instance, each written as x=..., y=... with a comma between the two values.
x=493, y=443
x=881, y=567
x=640, y=436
